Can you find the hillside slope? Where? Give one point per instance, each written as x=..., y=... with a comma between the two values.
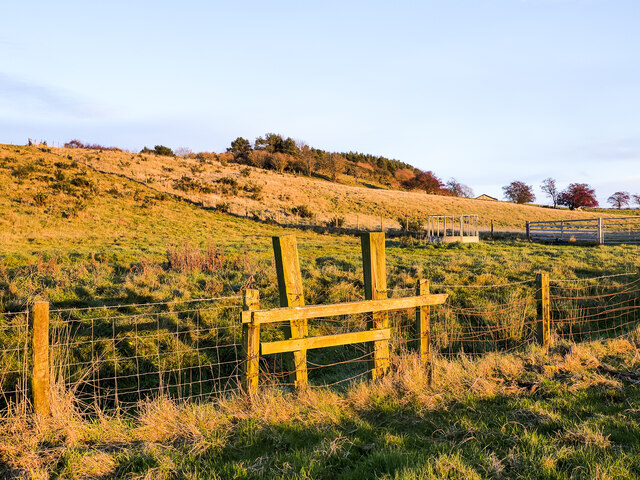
x=253, y=190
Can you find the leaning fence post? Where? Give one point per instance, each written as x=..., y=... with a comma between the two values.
x=423, y=330
x=375, y=287
x=250, y=342
x=40, y=374
x=543, y=308
x=291, y=294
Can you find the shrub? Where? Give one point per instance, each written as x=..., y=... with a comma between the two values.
x=254, y=189
x=23, y=171
x=245, y=172
x=186, y=258
x=409, y=224
x=336, y=221
x=188, y=184
x=159, y=150
x=223, y=207
x=303, y=211
x=40, y=199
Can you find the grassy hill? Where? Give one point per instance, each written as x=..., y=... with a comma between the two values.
x=245, y=189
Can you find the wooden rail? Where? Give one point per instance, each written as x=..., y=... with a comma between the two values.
x=349, y=308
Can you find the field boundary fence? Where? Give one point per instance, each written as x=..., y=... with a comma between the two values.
x=112, y=358
x=605, y=230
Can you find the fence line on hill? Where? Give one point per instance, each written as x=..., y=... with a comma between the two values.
x=112, y=358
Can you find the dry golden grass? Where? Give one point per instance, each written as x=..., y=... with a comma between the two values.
x=281, y=192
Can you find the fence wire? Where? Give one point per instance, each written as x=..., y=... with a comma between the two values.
x=595, y=308
x=114, y=357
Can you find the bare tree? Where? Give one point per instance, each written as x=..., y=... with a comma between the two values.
x=279, y=161
x=619, y=199
x=549, y=187
x=459, y=189
x=333, y=164
x=307, y=156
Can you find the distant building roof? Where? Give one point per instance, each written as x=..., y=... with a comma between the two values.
x=486, y=197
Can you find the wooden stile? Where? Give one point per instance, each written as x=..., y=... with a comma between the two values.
x=423, y=330
x=250, y=342
x=375, y=288
x=291, y=295
x=543, y=308
x=40, y=375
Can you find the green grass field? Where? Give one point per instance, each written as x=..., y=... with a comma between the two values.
x=80, y=238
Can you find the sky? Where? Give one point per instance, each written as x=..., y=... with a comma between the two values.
x=486, y=91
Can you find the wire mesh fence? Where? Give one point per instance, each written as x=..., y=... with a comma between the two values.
x=14, y=359
x=589, y=309
x=114, y=357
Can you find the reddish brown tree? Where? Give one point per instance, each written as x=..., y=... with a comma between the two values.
x=519, y=192
x=426, y=181
x=578, y=195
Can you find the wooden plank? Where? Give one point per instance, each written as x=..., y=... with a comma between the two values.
x=375, y=288
x=309, y=343
x=285, y=250
x=40, y=374
x=250, y=343
x=347, y=308
x=423, y=330
x=543, y=308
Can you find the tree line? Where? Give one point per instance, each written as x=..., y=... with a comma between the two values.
x=275, y=152
x=576, y=195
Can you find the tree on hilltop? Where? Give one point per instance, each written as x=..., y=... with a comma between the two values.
x=619, y=199
x=459, y=189
x=241, y=149
x=549, y=187
x=519, y=192
x=578, y=195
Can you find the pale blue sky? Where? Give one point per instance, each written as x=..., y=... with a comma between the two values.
x=487, y=91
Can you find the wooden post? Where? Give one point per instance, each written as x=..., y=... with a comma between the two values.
x=600, y=239
x=40, y=375
x=423, y=330
x=528, y=230
x=250, y=343
x=492, y=229
x=561, y=230
x=285, y=250
x=375, y=287
x=544, y=309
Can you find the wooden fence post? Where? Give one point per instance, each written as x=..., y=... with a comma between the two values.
x=290, y=290
x=423, y=330
x=543, y=308
x=40, y=375
x=250, y=343
x=528, y=230
x=375, y=287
